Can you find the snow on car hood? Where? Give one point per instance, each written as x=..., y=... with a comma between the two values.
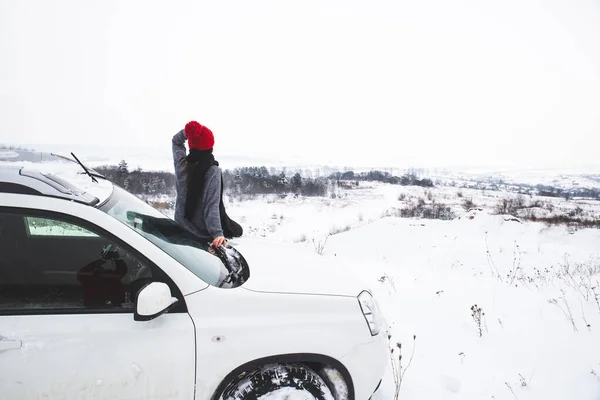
x=69, y=171
x=293, y=268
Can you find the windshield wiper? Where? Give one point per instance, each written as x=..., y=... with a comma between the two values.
x=91, y=175
x=87, y=170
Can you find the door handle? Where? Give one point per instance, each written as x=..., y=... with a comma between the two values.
x=6, y=344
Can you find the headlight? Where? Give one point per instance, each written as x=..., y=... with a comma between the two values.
x=370, y=311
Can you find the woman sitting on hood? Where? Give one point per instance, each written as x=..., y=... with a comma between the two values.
x=199, y=204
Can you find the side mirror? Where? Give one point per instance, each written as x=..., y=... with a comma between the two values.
x=153, y=300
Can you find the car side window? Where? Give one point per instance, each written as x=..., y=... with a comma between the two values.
x=49, y=263
x=50, y=227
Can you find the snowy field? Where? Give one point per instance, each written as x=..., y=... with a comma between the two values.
x=484, y=305
x=501, y=308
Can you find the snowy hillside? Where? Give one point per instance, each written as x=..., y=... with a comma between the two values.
x=534, y=288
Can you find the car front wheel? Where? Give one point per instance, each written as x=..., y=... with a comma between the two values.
x=272, y=382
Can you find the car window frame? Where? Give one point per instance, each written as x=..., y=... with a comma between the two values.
x=24, y=212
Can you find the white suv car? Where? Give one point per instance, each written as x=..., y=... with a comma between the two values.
x=103, y=297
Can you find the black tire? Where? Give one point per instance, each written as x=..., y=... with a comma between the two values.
x=275, y=377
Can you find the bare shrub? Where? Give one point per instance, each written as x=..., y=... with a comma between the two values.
x=581, y=277
x=431, y=211
x=477, y=315
x=347, y=185
x=530, y=214
x=320, y=245
x=577, y=211
x=301, y=239
x=390, y=280
x=569, y=221
x=392, y=212
x=574, y=219
x=536, y=204
x=564, y=307
x=522, y=381
x=511, y=390
x=459, y=193
x=510, y=206
x=490, y=260
x=596, y=296
x=587, y=324
x=506, y=207
x=397, y=370
x=516, y=267
x=468, y=204
x=335, y=230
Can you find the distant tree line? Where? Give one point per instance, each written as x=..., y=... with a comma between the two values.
x=258, y=180
x=549, y=191
x=379, y=176
x=254, y=181
x=11, y=147
x=137, y=181
x=248, y=180
x=534, y=190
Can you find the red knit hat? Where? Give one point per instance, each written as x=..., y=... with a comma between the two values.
x=199, y=136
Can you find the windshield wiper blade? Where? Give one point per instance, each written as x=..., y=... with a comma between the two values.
x=85, y=169
x=90, y=172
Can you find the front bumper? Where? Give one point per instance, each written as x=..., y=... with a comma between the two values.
x=377, y=394
x=367, y=365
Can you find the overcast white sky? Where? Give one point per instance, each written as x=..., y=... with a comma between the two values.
x=437, y=82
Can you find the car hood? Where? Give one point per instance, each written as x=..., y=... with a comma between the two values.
x=293, y=268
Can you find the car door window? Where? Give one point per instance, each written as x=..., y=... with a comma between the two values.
x=51, y=227
x=51, y=263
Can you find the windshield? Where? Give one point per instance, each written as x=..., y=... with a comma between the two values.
x=167, y=235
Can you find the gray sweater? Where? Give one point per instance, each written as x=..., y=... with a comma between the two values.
x=206, y=223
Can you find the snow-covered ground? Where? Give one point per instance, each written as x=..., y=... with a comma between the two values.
x=493, y=307
x=536, y=287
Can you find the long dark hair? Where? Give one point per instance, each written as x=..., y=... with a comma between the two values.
x=197, y=164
